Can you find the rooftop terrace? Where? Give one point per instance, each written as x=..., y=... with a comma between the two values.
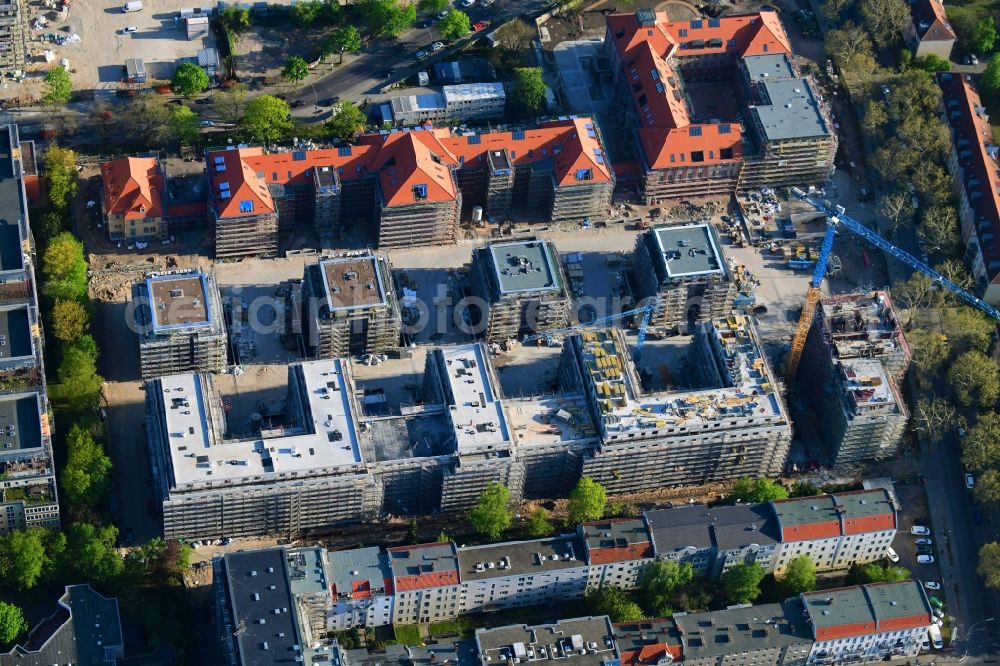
x=525, y=266
x=550, y=419
x=352, y=283
x=689, y=250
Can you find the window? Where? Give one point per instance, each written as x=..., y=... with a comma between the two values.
x=517, y=135
x=473, y=139
x=246, y=206
x=714, y=23
x=765, y=48
x=683, y=32
x=298, y=155
x=419, y=192
x=724, y=129
x=344, y=151
x=726, y=153
x=694, y=131
x=584, y=174
x=696, y=24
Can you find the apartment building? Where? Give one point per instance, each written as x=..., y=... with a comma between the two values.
x=350, y=307
x=684, y=154
x=467, y=101
x=360, y=588
x=736, y=426
x=522, y=288
x=240, y=204
x=132, y=198
x=12, y=41
x=972, y=163
x=929, y=31
x=684, y=269
x=179, y=324
x=28, y=496
x=619, y=547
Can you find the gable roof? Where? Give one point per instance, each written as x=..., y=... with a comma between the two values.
x=236, y=189
x=931, y=21
x=410, y=172
x=133, y=187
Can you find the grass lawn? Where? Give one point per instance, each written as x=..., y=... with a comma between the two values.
x=408, y=634
x=460, y=626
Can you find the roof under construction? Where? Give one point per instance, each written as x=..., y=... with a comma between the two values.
x=860, y=324
x=353, y=282
x=524, y=266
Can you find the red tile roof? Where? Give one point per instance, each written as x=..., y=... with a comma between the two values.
x=931, y=21
x=633, y=551
x=230, y=171
x=133, y=187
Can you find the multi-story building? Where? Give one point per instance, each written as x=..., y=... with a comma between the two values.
x=522, y=288
x=648, y=439
x=12, y=44
x=350, y=307
x=617, y=549
x=972, y=163
x=789, y=138
x=28, y=496
x=929, y=31
x=360, y=588
x=468, y=101
x=684, y=269
x=132, y=198
x=241, y=205
x=179, y=323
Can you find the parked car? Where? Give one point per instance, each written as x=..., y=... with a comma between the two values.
x=479, y=25
x=924, y=550
x=328, y=101
x=932, y=585
x=297, y=103
x=207, y=123
x=129, y=29
x=437, y=46
x=934, y=601
x=925, y=559
x=204, y=100
x=891, y=554
x=468, y=3
x=421, y=55
x=441, y=15
x=938, y=613
x=923, y=542
x=920, y=530
x=973, y=60
x=969, y=480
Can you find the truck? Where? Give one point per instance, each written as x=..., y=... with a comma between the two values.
x=133, y=6
x=934, y=632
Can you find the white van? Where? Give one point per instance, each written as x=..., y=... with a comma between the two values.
x=133, y=6
x=935, y=635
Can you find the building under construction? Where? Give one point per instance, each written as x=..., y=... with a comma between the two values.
x=12, y=45
x=733, y=425
x=178, y=319
x=684, y=269
x=522, y=286
x=854, y=359
x=350, y=307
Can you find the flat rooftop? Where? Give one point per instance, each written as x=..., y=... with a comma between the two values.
x=741, y=630
x=263, y=607
x=477, y=415
x=866, y=383
x=525, y=266
x=701, y=527
x=404, y=437
x=844, y=612
x=179, y=301
x=12, y=204
x=351, y=283
x=15, y=332
x=689, y=250
x=520, y=557
x=588, y=639
x=793, y=112
x=550, y=419
x=21, y=422
x=326, y=443
x=307, y=570
x=357, y=573
x=766, y=67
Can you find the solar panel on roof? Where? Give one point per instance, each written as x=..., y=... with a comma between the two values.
x=724, y=129
x=696, y=24
x=714, y=23
x=517, y=135
x=694, y=131
x=344, y=151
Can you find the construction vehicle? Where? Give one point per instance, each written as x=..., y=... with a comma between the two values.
x=838, y=219
x=646, y=311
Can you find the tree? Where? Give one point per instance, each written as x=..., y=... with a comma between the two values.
x=897, y=208
x=147, y=118
x=539, y=524
x=455, y=24
x=660, y=580
x=433, y=6
x=859, y=71
x=342, y=40
x=266, y=118
x=935, y=417
x=973, y=376
x=528, y=93
x=306, y=13
x=874, y=118
x=347, y=121
x=230, y=103
x=987, y=487
x=235, y=19
x=918, y=292
x=57, y=86
x=413, y=532
x=86, y=476
x=613, y=602
x=939, y=228
x=741, y=583
x=443, y=537
x=876, y=572
x=833, y=10
x=189, y=79
x=956, y=271
x=989, y=564
x=800, y=576
x=60, y=173
x=932, y=64
x=586, y=501
x=90, y=553
x=967, y=328
x=757, y=490
x=491, y=516
x=885, y=19
x=981, y=446
x=989, y=80
x=22, y=557
x=804, y=489
x=930, y=350
x=78, y=374
x=12, y=623
x=387, y=18
x=64, y=268
x=984, y=35
x=296, y=69
x=68, y=320
x=513, y=38
x=848, y=41
x=184, y=125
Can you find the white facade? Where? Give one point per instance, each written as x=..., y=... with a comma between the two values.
x=855, y=649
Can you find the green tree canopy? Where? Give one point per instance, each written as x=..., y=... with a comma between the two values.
x=586, y=501
x=296, y=69
x=345, y=39
x=433, y=6
x=57, y=86
x=266, y=118
x=60, y=173
x=78, y=374
x=935, y=417
x=64, y=268
x=189, y=79
x=235, y=19
x=539, y=525
x=876, y=572
x=989, y=564
x=981, y=446
x=660, y=581
x=12, y=623
x=932, y=64
x=987, y=487
x=989, y=80
x=967, y=328
x=22, y=557
x=306, y=13
x=387, y=18
x=456, y=24
x=885, y=19
x=69, y=320
x=185, y=125
x=615, y=603
x=804, y=489
x=347, y=121
x=984, y=35
x=90, y=553
x=413, y=532
x=757, y=490
x=800, y=576
x=528, y=93
x=974, y=378
x=491, y=516
x=86, y=476
x=741, y=583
